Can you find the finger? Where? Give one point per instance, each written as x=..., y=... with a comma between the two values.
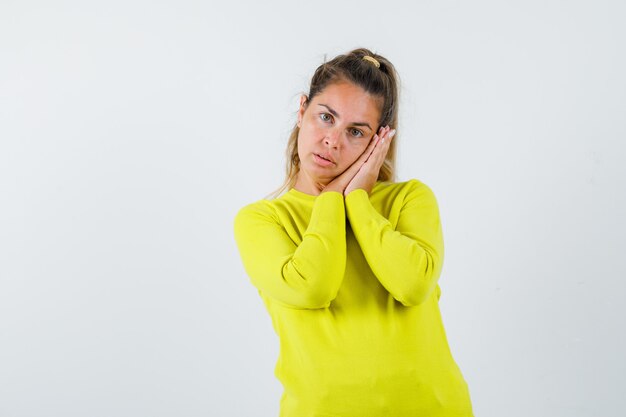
x=382, y=148
x=381, y=142
x=389, y=136
x=378, y=155
x=372, y=143
x=382, y=132
x=370, y=148
x=385, y=131
x=356, y=165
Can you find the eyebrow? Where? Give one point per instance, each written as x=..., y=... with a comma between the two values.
x=334, y=113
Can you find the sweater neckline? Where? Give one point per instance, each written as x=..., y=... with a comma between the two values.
x=310, y=197
x=302, y=195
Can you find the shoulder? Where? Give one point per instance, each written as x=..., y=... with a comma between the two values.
x=410, y=189
x=261, y=210
x=413, y=195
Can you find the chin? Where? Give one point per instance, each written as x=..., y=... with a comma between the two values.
x=320, y=175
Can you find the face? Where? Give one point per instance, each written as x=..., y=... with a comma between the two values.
x=337, y=124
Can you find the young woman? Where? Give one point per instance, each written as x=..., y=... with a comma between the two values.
x=347, y=261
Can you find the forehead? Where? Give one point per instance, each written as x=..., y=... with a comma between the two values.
x=351, y=102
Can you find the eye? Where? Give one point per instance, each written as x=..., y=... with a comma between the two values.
x=324, y=119
x=358, y=132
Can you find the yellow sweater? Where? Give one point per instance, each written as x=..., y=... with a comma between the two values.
x=351, y=285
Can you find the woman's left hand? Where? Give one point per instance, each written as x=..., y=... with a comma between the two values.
x=367, y=175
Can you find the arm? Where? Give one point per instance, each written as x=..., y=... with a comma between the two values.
x=408, y=260
x=306, y=275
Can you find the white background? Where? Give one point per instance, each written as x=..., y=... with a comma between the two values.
x=132, y=131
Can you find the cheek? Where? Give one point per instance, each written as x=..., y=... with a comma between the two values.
x=311, y=130
x=307, y=129
x=353, y=154
x=360, y=147
x=306, y=140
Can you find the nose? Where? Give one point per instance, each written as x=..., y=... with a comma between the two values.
x=332, y=138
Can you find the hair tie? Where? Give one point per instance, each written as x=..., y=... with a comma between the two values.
x=372, y=60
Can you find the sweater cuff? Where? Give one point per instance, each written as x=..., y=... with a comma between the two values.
x=328, y=211
x=359, y=208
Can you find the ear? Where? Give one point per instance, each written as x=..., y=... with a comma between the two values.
x=304, y=101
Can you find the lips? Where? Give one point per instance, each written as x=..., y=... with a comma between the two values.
x=325, y=156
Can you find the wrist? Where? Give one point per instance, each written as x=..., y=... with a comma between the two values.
x=349, y=192
x=333, y=188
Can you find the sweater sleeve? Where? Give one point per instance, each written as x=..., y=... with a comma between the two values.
x=305, y=275
x=408, y=260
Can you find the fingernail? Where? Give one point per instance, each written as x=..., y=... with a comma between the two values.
x=393, y=132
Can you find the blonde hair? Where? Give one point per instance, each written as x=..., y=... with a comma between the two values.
x=381, y=82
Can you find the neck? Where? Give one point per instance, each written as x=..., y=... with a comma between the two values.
x=307, y=185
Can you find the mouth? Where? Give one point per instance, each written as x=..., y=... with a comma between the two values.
x=325, y=158
x=320, y=160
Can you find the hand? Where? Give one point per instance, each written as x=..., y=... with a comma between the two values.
x=368, y=170
x=341, y=181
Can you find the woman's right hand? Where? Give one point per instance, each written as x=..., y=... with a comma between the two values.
x=341, y=181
